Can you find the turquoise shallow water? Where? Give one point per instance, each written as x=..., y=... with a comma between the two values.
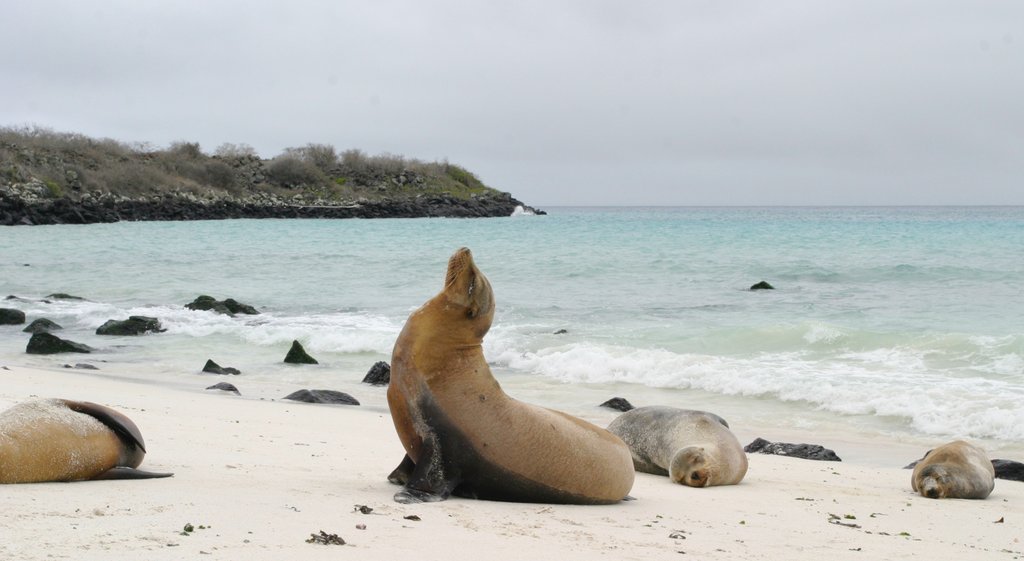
x=902, y=321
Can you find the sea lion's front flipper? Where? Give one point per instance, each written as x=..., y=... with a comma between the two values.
x=129, y=473
x=402, y=473
x=429, y=481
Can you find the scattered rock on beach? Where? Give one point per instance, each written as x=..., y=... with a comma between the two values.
x=618, y=404
x=225, y=387
x=42, y=325
x=134, y=325
x=763, y=285
x=379, y=374
x=10, y=316
x=228, y=306
x=214, y=368
x=322, y=396
x=1008, y=469
x=48, y=344
x=803, y=451
x=298, y=355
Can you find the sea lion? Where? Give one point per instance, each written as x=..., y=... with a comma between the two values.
x=693, y=448
x=64, y=440
x=462, y=434
x=957, y=470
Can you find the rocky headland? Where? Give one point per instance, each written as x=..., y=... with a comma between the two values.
x=50, y=177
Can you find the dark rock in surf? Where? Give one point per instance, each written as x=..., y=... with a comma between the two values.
x=81, y=366
x=298, y=355
x=42, y=325
x=134, y=325
x=803, y=451
x=322, y=396
x=63, y=296
x=214, y=368
x=48, y=344
x=561, y=332
x=10, y=316
x=379, y=374
x=225, y=387
x=763, y=285
x=228, y=306
x=618, y=404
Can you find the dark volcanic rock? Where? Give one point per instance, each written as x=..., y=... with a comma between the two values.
x=47, y=344
x=804, y=451
x=134, y=325
x=214, y=368
x=62, y=296
x=42, y=325
x=618, y=403
x=379, y=374
x=561, y=332
x=10, y=316
x=1009, y=469
x=224, y=386
x=298, y=355
x=763, y=285
x=229, y=306
x=322, y=396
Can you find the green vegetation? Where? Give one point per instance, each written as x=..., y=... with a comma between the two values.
x=72, y=164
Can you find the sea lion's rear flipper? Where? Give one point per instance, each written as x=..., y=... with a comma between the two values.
x=402, y=473
x=122, y=472
x=429, y=481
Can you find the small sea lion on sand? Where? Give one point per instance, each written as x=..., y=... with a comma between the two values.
x=693, y=448
x=64, y=440
x=957, y=470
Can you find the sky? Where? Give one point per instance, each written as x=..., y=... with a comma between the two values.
x=560, y=102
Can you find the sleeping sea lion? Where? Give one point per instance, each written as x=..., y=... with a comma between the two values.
x=462, y=434
x=693, y=448
x=64, y=440
x=957, y=470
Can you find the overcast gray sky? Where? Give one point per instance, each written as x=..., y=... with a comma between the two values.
x=559, y=102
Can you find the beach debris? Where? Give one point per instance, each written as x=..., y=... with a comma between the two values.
x=803, y=451
x=228, y=306
x=379, y=374
x=363, y=509
x=225, y=387
x=42, y=325
x=134, y=325
x=213, y=368
x=189, y=528
x=322, y=396
x=835, y=519
x=298, y=355
x=48, y=344
x=763, y=285
x=10, y=316
x=412, y=517
x=677, y=535
x=618, y=403
x=360, y=526
x=325, y=539
x=1002, y=520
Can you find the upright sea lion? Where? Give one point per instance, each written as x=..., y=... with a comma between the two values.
x=463, y=435
x=957, y=470
x=64, y=440
x=693, y=448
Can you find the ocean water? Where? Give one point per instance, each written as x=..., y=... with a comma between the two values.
x=903, y=323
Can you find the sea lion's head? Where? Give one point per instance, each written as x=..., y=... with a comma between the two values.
x=934, y=481
x=691, y=466
x=468, y=294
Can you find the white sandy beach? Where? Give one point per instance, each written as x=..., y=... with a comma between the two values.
x=256, y=477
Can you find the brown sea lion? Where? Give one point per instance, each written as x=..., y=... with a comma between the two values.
x=462, y=434
x=64, y=440
x=957, y=470
x=693, y=448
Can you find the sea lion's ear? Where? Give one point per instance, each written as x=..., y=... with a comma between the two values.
x=479, y=295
